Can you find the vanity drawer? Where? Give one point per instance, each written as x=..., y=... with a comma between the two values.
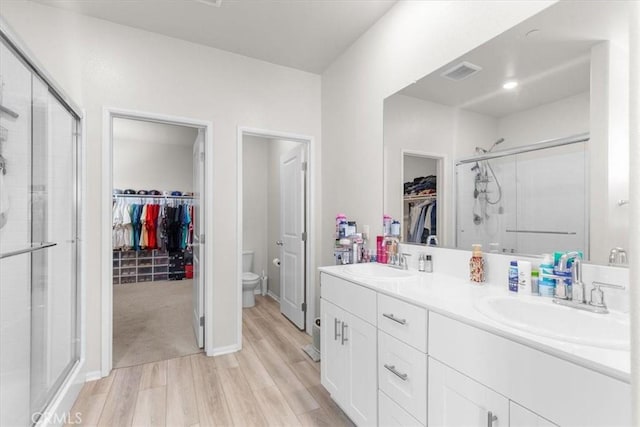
x=353, y=298
x=404, y=321
x=402, y=375
x=390, y=414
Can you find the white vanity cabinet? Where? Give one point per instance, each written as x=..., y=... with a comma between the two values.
x=548, y=388
x=457, y=401
x=348, y=359
x=522, y=417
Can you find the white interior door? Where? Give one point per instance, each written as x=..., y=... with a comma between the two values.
x=292, y=228
x=198, y=238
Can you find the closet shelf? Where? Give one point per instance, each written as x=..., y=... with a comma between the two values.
x=151, y=196
x=9, y=112
x=422, y=198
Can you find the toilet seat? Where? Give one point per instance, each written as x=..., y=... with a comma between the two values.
x=249, y=277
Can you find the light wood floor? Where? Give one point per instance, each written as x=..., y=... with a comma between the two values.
x=270, y=382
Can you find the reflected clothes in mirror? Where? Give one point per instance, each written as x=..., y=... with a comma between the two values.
x=423, y=222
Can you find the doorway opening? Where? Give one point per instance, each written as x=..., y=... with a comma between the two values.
x=275, y=239
x=423, y=198
x=155, y=301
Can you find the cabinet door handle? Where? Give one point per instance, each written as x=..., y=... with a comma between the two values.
x=491, y=418
x=393, y=370
x=394, y=318
x=336, y=335
x=344, y=335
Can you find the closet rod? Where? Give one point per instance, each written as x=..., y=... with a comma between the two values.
x=151, y=196
x=550, y=143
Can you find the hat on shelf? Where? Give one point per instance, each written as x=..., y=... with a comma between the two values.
x=129, y=191
x=117, y=191
x=143, y=192
x=176, y=193
x=155, y=193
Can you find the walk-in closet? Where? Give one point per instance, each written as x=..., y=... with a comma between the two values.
x=154, y=211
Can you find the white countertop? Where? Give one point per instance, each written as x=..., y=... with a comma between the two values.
x=456, y=298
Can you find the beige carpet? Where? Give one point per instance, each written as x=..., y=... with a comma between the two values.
x=151, y=322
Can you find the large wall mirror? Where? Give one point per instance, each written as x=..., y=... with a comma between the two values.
x=520, y=144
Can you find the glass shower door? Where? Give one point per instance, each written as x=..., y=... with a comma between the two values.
x=39, y=344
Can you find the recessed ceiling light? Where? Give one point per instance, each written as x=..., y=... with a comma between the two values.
x=511, y=84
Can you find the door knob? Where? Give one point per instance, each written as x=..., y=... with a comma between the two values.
x=279, y=242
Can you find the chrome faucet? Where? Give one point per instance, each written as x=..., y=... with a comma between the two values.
x=432, y=240
x=618, y=256
x=577, y=291
x=399, y=261
x=575, y=296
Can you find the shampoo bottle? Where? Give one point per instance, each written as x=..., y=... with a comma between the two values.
x=476, y=265
x=524, y=277
x=513, y=276
x=546, y=285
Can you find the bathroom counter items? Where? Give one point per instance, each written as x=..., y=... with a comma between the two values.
x=462, y=301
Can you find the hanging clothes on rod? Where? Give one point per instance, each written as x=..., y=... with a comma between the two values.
x=423, y=221
x=143, y=222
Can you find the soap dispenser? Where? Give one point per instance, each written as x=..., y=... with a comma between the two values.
x=476, y=265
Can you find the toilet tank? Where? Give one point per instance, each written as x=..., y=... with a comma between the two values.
x=247, y=261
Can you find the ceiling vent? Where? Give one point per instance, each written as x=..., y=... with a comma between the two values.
x=461, y=71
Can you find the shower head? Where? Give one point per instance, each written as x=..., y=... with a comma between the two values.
x=500, y=141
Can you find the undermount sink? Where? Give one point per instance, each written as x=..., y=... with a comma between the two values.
x=540, y=316
x=376, y=271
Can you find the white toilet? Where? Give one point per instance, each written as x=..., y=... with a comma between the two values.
x=250, y=280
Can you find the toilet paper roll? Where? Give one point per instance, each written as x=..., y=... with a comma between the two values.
x=276, y=262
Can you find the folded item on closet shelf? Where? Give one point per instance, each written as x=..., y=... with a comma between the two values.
x=117, y=191
x=129, y=191
x=176, y=193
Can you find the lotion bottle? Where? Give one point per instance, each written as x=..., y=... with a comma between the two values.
x=476, y=265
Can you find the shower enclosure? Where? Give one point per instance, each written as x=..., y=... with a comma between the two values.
x=528, y=199
x=39, y=230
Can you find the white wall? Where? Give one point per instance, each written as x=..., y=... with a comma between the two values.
x=255, y=184
x=410, y=41
x=101, y=64
x=568, y=116
x=153, y=156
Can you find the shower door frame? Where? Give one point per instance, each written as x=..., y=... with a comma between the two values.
x=59, y=406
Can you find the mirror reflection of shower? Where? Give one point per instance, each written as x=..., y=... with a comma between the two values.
x=487, y=189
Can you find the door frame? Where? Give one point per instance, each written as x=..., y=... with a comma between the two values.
x=310, y=219
x=106, y=193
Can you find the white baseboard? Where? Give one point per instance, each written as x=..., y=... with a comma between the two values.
x=273, y=296
x=219, y=351
x=92, y=376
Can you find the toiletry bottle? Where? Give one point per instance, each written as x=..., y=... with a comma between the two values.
x=421, y=261
x=386, y=223
x=395, y=228
x=513, y=276
x=381, y=256
x=476, y=264
x=524, y=277
x=428, y=264
x=546, y=285
x=339, y=218
x=534, y=283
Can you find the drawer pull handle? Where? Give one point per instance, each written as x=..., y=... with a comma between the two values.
x=336, y=335
x=491, y=418
x=394, y=318
x=344, y=335
x=392, y=369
